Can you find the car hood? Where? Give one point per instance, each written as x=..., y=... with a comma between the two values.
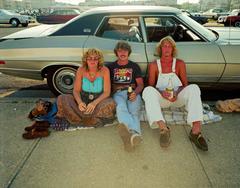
x=37, y=31
x=227, y=34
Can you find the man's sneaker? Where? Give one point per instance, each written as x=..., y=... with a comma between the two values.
x=125, y=136
x=198, y=140
x=136, y=139
x=164, y=137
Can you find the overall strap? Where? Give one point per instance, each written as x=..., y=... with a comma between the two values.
x=174, y=65
x=159, y=66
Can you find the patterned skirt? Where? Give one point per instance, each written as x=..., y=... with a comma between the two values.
x=104, y=112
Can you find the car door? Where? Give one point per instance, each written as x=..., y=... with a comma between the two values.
x=232, y=56
x=204, y=60
x=113, y=29
x=4, y=18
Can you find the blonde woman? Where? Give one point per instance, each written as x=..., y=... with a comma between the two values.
x=90, y=104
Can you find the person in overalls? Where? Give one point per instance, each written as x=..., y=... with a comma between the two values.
x=163, y=74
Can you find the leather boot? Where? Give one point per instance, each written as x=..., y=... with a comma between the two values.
x=35, y=134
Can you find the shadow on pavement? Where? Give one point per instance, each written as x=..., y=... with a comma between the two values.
x=36, y=91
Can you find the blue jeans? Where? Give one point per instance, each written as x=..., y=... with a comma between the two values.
x=128, y=112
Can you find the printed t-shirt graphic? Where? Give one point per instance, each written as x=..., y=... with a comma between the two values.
x=122, y=75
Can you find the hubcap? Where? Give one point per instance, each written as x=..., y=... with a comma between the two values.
x=14, y=22
x=64, y=79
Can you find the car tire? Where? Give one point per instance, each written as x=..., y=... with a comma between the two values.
x=61, y=80
x=24, y=24
x=237, y=24
x=14, y=22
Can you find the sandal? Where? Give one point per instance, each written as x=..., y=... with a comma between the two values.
x=164, y=137
x=198, y=140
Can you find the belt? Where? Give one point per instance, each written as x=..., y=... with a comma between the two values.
x=121, y=89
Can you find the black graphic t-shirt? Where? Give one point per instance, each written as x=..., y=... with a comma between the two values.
x=124, y=74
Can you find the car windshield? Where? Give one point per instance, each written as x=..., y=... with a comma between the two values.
x=199, y=28
x=234, y=13
x=65, y=12
x=8, y=12
x=52, y=29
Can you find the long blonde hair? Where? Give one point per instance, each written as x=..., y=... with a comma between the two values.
x=160, y=44
x=93, y=51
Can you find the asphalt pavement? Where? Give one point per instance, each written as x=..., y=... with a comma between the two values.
x=95, y=157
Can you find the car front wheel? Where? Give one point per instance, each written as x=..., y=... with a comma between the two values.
x=237, y=24
x=14, y=22
x=61, y=80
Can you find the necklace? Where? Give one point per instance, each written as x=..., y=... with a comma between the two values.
x=92, y=76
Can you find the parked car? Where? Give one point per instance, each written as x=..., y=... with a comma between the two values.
x=198, y=18
x=233, y=19
x=55, y=52
x=10, y=17
x=215, y=13
x=58, y=16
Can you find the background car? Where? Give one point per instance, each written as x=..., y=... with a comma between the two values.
x=215, y=13
x=58, y=16
x=198, y=18
x=10, y=17
x=55, y=52
x=233, y=19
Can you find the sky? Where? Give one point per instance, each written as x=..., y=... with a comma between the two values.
x=75, y=2
x=184, y=1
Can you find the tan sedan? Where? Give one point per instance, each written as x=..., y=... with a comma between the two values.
x=54, y=51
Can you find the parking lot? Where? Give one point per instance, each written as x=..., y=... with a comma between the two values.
x=95, y=157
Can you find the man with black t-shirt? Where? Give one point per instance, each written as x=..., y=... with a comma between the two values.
x=124, y=74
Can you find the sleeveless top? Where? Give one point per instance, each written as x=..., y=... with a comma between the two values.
x=92, y=87
x=163, y=78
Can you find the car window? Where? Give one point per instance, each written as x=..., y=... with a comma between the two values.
x=159, y=27
x=121, y=28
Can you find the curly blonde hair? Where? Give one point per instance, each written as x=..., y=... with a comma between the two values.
x=160, y=44
x=96, y=52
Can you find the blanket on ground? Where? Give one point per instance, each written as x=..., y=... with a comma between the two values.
x=178, y=116
x=173, y=116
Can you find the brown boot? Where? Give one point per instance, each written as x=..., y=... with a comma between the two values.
x=164, y=137
x=125, y=136
x=198, y=140
x=35, y=134
x=29, y=128
x=39, y=125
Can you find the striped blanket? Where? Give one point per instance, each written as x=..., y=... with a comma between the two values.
x=173, y=116
x=178, y=116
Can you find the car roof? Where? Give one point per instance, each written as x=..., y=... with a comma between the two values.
x=132, y=9
x=85, y=19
